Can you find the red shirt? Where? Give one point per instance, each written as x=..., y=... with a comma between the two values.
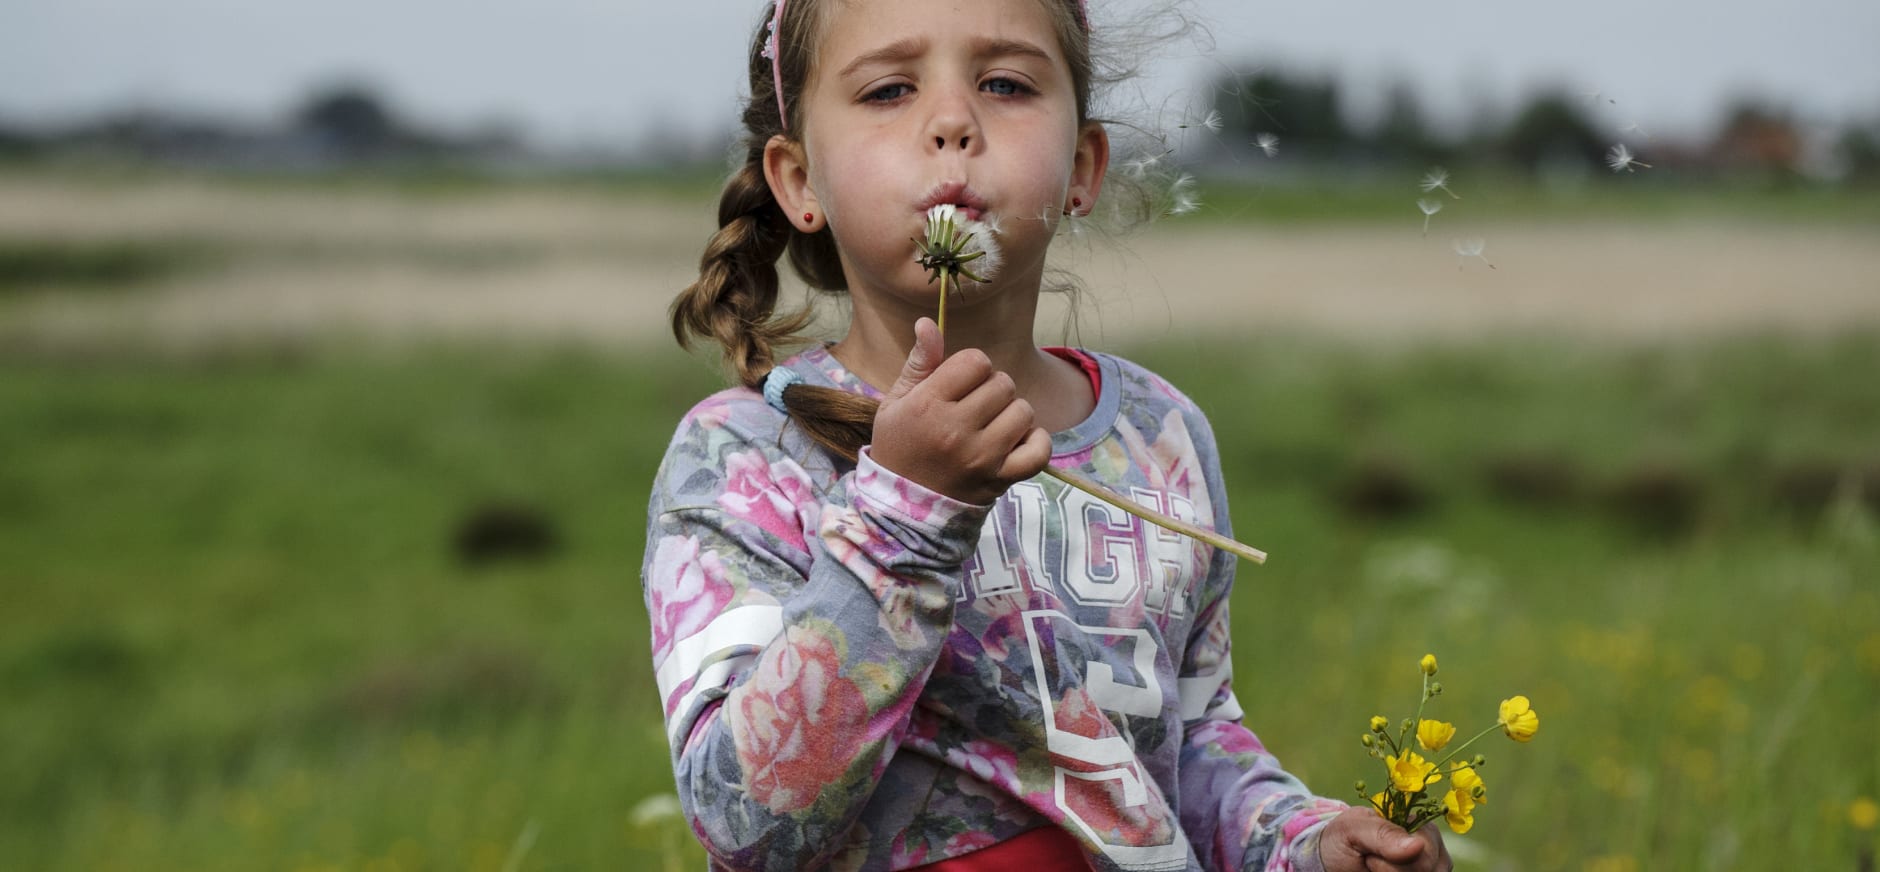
x=1046, y=849
x=1085, y=362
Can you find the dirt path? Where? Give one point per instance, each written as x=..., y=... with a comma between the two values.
x=601, y=269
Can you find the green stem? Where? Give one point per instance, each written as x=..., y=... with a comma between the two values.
x=942, y=321
x=1154, y=517
x=1452, y=755
x=1418, y=723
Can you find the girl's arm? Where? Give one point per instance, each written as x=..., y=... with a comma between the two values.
x=792, y=632
x=1240, y=809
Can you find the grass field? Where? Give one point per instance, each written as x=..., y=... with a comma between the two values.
x=237, y=632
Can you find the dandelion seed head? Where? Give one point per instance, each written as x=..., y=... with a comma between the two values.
x=975, y=241
x=1471, y=247
x=983, y=239
x=1268, y=143
x=1437, y=177
x=1429, y=207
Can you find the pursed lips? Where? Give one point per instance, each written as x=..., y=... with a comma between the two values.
x=970, y=205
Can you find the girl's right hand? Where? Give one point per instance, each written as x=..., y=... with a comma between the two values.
x=955, y=425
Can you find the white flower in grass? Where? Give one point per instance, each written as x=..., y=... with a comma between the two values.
x=1471, y=247
x=1428, y=207
x=655, y=808
x=1438, y=179
x=1267, y=142
x=1620, y=158
x=1182, y=196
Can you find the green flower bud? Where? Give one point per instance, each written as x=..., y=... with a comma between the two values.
x=1367, y=740
x=1436, y=688
x=1361, y=787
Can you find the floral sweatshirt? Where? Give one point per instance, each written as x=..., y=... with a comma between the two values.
x=862, y=673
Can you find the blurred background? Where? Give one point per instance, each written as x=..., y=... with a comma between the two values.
x=333, y=374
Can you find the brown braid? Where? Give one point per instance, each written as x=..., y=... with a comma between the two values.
x=734, y=300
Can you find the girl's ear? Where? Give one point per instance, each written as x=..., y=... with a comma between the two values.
x=1088, y=166
x=786, y=169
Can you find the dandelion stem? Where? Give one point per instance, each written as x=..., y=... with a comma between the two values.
x=941, y=321
x=1166, y=522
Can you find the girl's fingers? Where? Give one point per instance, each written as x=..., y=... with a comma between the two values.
x=959, y=375
x=1029, y=458
x=1010, y=427
x=987, y=401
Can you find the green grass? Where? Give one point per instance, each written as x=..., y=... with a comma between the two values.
x=235, y=635
x=1325, y=196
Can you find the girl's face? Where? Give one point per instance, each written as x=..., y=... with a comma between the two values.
x=912, y=103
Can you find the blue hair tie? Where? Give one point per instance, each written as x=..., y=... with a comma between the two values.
x=780, y=377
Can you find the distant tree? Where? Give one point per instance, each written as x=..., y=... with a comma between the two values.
x=1551, y=129
x=1401, y=133
x=1860, y=147
x=1304, y=111
x=17, y=142
x=352, y=120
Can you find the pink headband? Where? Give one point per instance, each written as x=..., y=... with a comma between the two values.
x=776, y=56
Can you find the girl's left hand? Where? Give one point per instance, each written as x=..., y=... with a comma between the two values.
x=1361, y=840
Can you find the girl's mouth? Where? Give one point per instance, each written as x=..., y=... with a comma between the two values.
x=968, y=204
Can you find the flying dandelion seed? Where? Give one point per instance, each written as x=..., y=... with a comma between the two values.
x=1620, y=158
x=1182, y=196
x=1138, y=167
x=1438, y=179
x=1429, y=207
x=1635, y=128
x=1471, y=247
x=1212, y=122
x=1267, y=142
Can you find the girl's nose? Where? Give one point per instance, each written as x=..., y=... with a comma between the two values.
x=953, y=124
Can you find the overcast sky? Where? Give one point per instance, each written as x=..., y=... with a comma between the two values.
x=608, y=72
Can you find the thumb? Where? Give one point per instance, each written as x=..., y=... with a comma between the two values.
x=926, y=356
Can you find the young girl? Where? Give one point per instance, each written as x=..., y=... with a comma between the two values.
x=883, y=640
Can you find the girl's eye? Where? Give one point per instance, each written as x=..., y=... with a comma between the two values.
x=1004, y=87
x=887, y=93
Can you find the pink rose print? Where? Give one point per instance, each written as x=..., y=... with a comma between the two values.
x=776, y=497
x=687, y=591
x=800, y=723
x=1228, y=736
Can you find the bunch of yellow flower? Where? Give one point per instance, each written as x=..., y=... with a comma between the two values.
x=1407, y=800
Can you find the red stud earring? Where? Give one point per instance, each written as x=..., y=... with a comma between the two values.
x=809, y=217
x=1075, y=202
